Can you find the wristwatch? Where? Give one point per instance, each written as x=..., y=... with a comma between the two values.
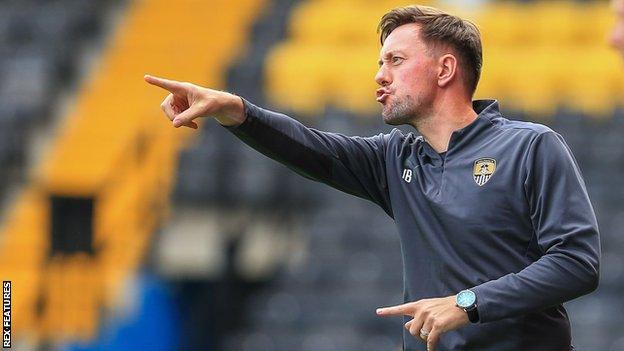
x=467, y=301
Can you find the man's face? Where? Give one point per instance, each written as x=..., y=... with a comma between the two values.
x=616, y=39
x=407, y=76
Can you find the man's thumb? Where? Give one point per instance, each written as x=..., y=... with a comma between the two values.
x=187, y=117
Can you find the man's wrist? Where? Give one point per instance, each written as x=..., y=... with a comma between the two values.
x=232, y=111
x=467, y=301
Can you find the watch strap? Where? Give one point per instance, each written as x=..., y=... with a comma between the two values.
x=473, y=314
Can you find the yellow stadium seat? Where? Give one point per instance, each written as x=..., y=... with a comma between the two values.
x=537, y=56
x=120, y=152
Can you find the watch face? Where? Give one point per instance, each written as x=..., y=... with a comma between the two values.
x=466, y=298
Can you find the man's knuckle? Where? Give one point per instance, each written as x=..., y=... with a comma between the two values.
x=204, y=104
x=437, y=323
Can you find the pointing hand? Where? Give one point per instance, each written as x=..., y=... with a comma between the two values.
x=431, y=318
x=187, y=101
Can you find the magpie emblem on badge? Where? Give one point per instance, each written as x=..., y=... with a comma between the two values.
x=483, y=170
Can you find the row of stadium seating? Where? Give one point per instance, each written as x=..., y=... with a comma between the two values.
x=113, y=148
x=537, y=57
x=40, y=47
x=508, y=24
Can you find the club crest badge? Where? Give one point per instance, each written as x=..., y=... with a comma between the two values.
x=483, y=170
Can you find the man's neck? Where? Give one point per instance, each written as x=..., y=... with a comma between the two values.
x=445, y=118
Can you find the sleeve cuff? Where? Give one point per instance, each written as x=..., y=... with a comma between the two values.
x=481, y=303
x=250, y=111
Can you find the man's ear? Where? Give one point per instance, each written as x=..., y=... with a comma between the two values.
x=447, y=69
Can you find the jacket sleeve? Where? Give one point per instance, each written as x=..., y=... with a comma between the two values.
x=565, y=230
x=352, y=164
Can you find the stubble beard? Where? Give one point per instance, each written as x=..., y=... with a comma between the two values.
x=404, y=111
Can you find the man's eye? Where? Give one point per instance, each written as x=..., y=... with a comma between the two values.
x=396, y=60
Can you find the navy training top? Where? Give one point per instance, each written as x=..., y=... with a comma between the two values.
x=503, y=212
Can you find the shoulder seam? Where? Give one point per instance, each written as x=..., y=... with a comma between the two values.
x=538, y=132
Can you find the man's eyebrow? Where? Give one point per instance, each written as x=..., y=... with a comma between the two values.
x=388, y=55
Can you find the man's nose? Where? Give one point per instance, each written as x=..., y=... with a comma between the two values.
x=382, y=77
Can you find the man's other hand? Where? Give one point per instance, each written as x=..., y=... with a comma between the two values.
x=431, y=318
x=187, y=101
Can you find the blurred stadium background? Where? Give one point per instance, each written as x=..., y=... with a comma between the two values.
x=120, y=232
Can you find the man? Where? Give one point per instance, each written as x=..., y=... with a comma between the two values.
x=616, y=38
x=496, y=226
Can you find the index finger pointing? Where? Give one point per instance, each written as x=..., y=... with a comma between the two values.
x=170, y=85
x=398, y=310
